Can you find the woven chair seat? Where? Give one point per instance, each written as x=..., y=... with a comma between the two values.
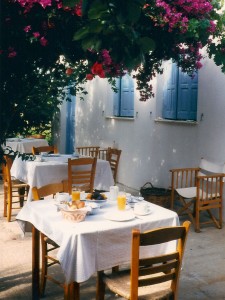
x=122, y=287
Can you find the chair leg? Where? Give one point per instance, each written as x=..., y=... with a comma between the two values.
x=5, y=202
x=115, y=269
x=217, y=224
x=197, y=220
x=185, y=209
x=9, y=206
x=43, y=265
x=100, y=287
x=72, y=291
x=21, y=192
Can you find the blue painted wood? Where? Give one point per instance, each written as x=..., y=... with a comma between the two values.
x=116, y=98
x=70, y=125
x=187, y=95
x=170, y=92
x=123, y=101
x=180, y=95
x=127, y=96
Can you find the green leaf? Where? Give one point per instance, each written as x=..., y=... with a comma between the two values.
x=80, y=34
x=96, y=26
x=97, y=11
x=147, y=44
x=91, y=43
x=70, y=3
x=133, y=11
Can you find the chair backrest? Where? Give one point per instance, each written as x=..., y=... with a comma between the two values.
x=160, y=268
x=47, y=190
x=49, y=149
x=103, y=154
x=81, y=173
x=113, y=158
x=37, y=136
x=208, y=167
x=88, y=151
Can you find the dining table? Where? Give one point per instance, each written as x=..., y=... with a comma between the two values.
x=101, y=241
x=24, y=145
x=53, y=168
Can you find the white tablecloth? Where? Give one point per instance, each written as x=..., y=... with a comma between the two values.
x=55, y=169
x=25, y=145
x=96, y=243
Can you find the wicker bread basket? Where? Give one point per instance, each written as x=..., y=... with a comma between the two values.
x=77, y=215
x=159, y=196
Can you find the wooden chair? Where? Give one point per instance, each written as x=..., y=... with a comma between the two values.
x=50, y=149
x=199, y=189
x=37, y=136
x=154, y=277
x=81, y=173
x=15, y=191
x=113, y=158
x=47, y=246
x=88, y=151
x=103, y=154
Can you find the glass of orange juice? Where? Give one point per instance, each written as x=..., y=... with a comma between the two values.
x=75, y=194
x=121, y=201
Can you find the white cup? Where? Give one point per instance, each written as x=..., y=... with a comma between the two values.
x=38, y=158
x=142, y=208
x=44, y=153
x=114, y=191
x=61, y=197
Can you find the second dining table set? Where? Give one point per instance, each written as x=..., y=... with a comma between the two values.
x=51, y=168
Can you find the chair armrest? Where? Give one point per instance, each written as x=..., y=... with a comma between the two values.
x=184, y=169
x=209, y=186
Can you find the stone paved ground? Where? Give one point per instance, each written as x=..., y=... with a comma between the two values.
x=202, y=278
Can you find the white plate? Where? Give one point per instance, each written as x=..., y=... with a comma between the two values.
x=99, y=202
x=120, y=216
x=53, y=155
x=144, y=214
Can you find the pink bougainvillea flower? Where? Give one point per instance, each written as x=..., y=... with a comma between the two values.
x=36, y=34
x=97, y=69
x=27, y=28
x=106, y=57
x=12, y=54
x=43, y=41
x=198, y=65
x=89, y=76
x=45, y=3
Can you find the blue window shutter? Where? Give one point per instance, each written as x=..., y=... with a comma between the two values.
x=127, y=96
x=116, y=98
x=170, y=92
x=187, y=96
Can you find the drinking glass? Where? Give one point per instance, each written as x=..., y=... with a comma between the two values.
x=121, y=201
x=75, y=194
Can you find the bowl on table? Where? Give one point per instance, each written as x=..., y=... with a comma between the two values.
x=96, y=197
x=76, y=215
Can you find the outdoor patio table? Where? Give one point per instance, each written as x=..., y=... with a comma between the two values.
x=96, y=244
x=25, y=145
x=55, y=169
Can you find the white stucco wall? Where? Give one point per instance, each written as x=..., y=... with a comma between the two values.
x=149, y=148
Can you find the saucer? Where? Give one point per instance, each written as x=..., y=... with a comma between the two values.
x=142, y=214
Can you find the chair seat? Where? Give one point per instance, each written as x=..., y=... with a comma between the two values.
x=119, y=283
x=188, y=193
x=16, y=184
